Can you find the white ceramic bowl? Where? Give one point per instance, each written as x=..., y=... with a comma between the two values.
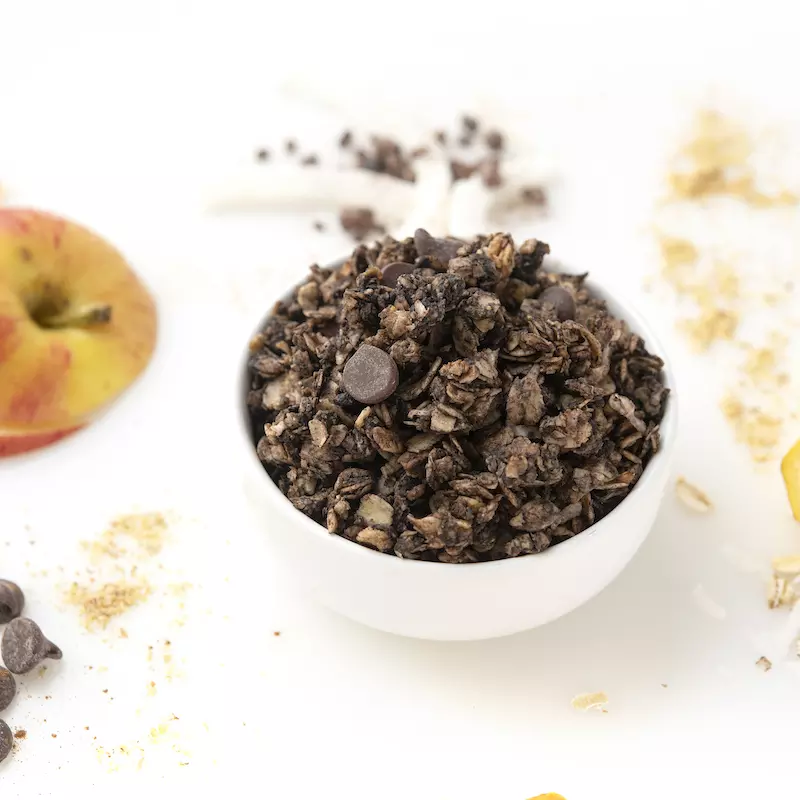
x=429, y=600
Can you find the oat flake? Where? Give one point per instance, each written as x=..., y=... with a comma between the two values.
x=692, y=497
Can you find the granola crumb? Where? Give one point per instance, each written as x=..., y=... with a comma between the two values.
x=20, y=733
x=589, y=701
x=692, y=497
x=764, y=663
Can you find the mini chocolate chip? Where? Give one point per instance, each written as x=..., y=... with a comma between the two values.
x=442, y=250
x=6, y=740
x=494, y=140
x=12, y=601
x=370, y=375
x=291, y=146
x=25, y=646
x=262, y=155
x=469, y=123
x=562, y=301
x=391, y=272
x=346, y=139
x=460, y=171
x=8, y=688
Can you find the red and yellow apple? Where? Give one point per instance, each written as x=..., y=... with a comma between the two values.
x=77, y=327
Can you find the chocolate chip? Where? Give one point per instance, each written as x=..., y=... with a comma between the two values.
x=370, y=375
x=562, y=301
x=12, y=601
x=346, y=139
x=291, y=146
x=534, y=196
x=494, y=140
x=442, y=250
x=359, y=222
x=8, y=688
x=24, y=646
x=469, y=123
x=6, y=740
x=310, y=160
x=490, y=172
x=262, y=155
x=391, y=272
x=460, y=171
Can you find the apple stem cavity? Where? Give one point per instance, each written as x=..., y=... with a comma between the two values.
x=82, y=317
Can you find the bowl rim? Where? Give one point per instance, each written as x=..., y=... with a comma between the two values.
x=658, y=464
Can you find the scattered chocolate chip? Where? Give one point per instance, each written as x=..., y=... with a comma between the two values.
x=460, y=171
x=310, y=160
x=391, y=272
x=12, y=601
x=494, y=140
x=6, y=740
x=469, y=123
x=370, y=375
x=8, y=688
x=346, y=139
x=24, y=646
x=441, y=250
x=262, y=155
x=291, y=146
x=490, y=172
x=562, y=301
x=319, y=226
x=533, y=196
x=359, y=222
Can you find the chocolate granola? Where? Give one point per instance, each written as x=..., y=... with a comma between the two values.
x=514, y=411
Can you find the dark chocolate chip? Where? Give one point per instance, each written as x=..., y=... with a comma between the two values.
x=24, y=646
x=442, y=250
x=562, y=301
x=262, y=155
x=12, y=601
x=459, y=171
x=8, y=688
x=534, y=195
x=494, y=140
x=370, y=375
x=469, y=123
x=6, y=740
x=346, y=139
x=391, y=272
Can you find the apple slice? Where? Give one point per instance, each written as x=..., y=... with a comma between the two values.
x=77, y=327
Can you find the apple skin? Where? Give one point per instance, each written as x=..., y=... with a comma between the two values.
x=77, y=327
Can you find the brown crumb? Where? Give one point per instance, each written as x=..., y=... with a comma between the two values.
x=20, y=734
x=276, y=633
x=123, y=634
x=360, y=222
x=105, y=691
x=319, y=226
x=262, y=154
x=764, y=663
x=86, y=727
x=54, y=735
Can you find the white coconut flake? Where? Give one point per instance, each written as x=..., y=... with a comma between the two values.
x=589, y=701
x=707, y=604
x=692, y=497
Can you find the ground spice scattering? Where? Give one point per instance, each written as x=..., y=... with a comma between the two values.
x=717, y=160
x=508, y=409
x=102, y=604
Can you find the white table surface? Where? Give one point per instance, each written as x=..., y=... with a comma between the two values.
x=119, y=115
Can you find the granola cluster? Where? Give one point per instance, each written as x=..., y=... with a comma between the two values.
x=524, y=411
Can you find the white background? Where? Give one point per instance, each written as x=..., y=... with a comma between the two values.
x=120, y=115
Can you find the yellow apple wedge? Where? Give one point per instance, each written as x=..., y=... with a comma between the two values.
x=77, y=327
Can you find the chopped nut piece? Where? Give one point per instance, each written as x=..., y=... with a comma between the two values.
x=692, y=497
